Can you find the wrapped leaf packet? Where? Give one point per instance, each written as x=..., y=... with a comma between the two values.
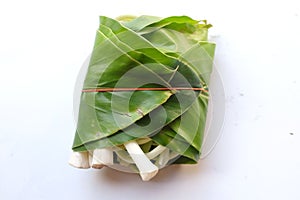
x=144, y=100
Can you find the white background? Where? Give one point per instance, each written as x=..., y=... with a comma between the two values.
x=42, y=47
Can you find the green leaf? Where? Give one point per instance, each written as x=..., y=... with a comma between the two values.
x=192, y=123
x=141, y=22
x=168, y=137
x=147, y=52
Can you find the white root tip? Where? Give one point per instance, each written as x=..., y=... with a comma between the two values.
x=98, y=166
x=149, y=175
x=80, y=160
x=102, y=157
x=156, y=151
x=147, y=169
x=164, y=158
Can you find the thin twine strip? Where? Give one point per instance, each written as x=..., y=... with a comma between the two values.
x=140, y=89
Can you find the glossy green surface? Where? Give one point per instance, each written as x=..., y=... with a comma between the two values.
x=148, y=52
